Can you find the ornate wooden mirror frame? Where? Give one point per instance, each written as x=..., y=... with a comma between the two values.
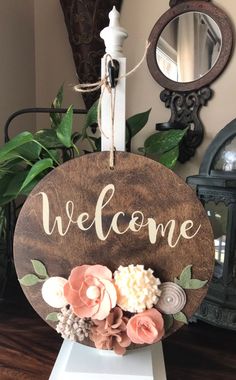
x=186, y=98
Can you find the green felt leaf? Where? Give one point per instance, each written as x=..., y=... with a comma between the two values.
x=168, y=322
x=169, y=158
x=186, y=273
x=53, y=317
x=92, y=115
x=64, y=129
x=135, y=123
x=187, y=282
x=196, y=284
x=180, y=317
x=164, y=141
x=185, y=277
x=39, y=268
x=36, y=169
x=15, y=142
x=29, y=280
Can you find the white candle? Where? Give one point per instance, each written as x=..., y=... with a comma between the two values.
x=114, y=36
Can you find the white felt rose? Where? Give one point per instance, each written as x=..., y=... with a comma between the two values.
x=137, y=288
x=53, y=292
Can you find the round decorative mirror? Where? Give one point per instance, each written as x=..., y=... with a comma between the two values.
x=190, y=46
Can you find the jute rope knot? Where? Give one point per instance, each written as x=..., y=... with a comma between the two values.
x=105, y=85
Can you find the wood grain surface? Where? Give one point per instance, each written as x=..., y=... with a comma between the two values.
x=140, y=184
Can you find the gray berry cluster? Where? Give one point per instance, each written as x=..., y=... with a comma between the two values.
x=72, y=327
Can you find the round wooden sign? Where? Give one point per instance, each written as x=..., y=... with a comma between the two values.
x=89, y=235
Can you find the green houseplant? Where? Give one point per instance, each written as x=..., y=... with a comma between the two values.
x=28, y=157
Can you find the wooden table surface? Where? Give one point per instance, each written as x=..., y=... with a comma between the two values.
x=29, y=347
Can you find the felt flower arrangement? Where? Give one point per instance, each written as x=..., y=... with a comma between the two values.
x=113, y=310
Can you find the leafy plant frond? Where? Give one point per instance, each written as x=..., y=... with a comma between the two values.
x=27, y=157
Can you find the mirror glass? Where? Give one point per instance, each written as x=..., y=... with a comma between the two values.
x=188, y=47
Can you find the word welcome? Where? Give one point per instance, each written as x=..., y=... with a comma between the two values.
x=137, y=221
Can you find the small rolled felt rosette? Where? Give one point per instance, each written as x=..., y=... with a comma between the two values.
x=172, y=300
x=53, y=292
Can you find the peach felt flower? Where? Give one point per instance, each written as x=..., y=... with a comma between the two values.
x=90, y=291
x=111, y=333
x=146, y=327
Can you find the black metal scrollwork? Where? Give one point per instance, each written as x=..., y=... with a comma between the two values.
x=185, y=107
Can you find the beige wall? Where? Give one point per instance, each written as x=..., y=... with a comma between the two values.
x=143, y=92
x=17, y=84
x=54, y=60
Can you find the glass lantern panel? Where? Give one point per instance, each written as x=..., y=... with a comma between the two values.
x=218, y=215
x=234, y=266
x=233, y=244
x=226, y=157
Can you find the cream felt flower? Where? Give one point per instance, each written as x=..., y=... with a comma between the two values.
x=53, y=292
x=137, y=288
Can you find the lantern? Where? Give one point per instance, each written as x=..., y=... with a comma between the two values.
x=215, y=186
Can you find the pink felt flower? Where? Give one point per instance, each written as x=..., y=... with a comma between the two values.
x=90, y=291
x=110, y=334
x=146, y=327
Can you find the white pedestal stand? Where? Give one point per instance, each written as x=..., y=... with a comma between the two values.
x=76, y=361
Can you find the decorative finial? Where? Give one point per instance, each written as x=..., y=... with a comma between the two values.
x=114, y=17
x=114, y=35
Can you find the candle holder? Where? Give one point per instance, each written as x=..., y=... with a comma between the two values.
x=216, y=188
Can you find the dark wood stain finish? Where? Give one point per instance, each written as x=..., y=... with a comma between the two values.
x=140, y=184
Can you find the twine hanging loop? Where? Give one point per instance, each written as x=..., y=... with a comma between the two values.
x=107, y=85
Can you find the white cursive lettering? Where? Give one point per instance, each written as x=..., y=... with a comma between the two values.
x=135, y=223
